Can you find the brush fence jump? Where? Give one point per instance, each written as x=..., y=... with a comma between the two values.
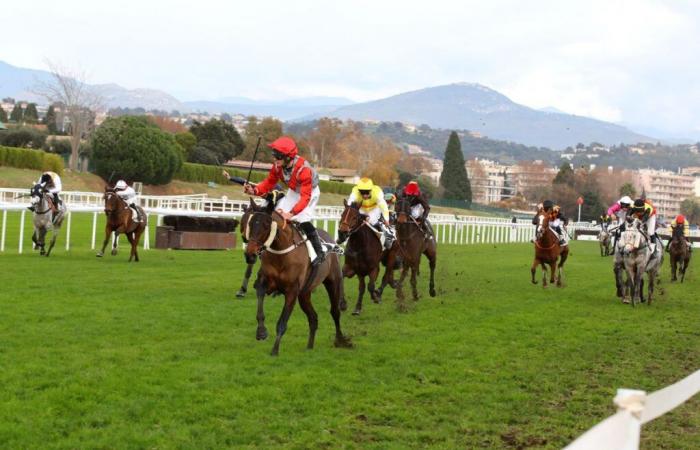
x=621, y=431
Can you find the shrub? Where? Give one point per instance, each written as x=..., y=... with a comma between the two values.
x=30, y=159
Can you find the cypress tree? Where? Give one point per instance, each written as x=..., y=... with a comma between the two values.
x=31, y=115
x=565, y=175
x=16, y=114
x=50, y=120
x=454, y=174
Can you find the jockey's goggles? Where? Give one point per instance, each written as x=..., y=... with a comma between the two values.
x=278, y=155
x=364, y=192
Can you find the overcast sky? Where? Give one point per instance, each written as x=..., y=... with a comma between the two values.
x=624, y=61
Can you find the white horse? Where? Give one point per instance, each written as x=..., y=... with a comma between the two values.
x=634, y=254
x=46, y=217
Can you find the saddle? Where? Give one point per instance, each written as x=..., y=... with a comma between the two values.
x=331, y=247
x=135, y=214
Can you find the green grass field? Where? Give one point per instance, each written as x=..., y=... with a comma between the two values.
x=99, y=353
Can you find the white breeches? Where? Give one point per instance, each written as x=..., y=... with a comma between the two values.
x=417, y=211
x=291, y=198
x=651, y=225
x=374, y=215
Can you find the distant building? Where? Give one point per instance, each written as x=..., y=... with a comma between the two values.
x=666, y=190
x=340, y=175
x=695, y=173
x=488, y=181
x=528, y=175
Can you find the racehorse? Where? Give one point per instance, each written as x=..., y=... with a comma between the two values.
x=120, y=220
x=604, y=241
x=46, y=217
x=364, y=253
x=413, y=242
x=637, y=258
x=680, y=253
x=548, y=251
x=285, y=268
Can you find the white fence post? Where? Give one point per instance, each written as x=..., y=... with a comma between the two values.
x=70, y=215
x=94, y=229
x=4, y=227
x=21, y=230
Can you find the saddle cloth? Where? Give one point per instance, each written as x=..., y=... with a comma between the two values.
x=330, y=247
x=134, y=215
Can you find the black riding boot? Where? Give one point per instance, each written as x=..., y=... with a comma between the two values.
x=315, y=240
x=138, y=213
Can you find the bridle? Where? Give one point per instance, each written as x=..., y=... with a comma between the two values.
x=345, y=222
x=271, y=237
x=36, y=192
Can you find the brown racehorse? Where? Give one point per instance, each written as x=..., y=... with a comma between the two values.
x=120, y=220
x=364, y=253
x=548, y=251
x=285, y=269
x=680, y=253
x=413, y=242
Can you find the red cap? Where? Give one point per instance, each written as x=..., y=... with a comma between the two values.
x=412, y=189
x=680, y=218
x=285, y=145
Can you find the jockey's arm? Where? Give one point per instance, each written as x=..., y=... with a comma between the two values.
x=305, y=179
x=354, y=196
x=268, y=183
x=425, y=205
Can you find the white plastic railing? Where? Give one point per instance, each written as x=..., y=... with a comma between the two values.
x=622, y=430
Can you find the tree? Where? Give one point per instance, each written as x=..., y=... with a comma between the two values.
x=690, y=208
x=31, y=115
x=23, y=137
x=565, y=175
x=217, y=142
x=79, y=101
x=50, y=120
x=454, y=178
x=16, y=115
x=168, y=125
x=187, y=141
x=628, y=189
x=269, y=128
x=3, y=115
x=133, y=149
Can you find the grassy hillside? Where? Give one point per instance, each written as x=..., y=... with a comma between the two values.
x=159, y=354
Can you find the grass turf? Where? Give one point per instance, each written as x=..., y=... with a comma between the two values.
x=99, y=353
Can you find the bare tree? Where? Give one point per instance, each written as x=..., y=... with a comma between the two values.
x=79, y=101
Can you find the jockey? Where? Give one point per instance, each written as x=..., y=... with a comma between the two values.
x=645, y=212
x=419, y=205
x=51, y=182
x=128, y=194
x=558, y=221
x=620, y=208
x=370, y=197
x=302, y=194
x=391, y=203
x=680, y=221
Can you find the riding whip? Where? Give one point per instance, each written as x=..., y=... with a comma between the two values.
x=255, y=154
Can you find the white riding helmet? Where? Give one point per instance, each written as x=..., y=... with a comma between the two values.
x=121, y=184
x=625, y=201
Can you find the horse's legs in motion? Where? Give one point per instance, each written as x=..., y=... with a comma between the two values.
x=361, y=289
x=135, y=244
x=108, y=234
x=334, y=288
x=246, y=278
x=533, y=270
x=260, y=288
x=399, y=289
x=307, y=307
x=652, y=276
x=619, y=282
x=372, y=283
x=115, y=243
x=414, y=280
x=290, y=299
x=36, y=244
x=54, y=233
x=431, y=253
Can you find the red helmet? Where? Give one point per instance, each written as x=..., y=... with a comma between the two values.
x=284, y=145
x=680, y=218
x=411, y=188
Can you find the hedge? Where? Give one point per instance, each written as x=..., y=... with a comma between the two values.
x=201, y=173
x=25, y=158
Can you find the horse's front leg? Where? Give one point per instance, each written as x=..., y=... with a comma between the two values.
x=414, y=282
x=399, y=289
x=246, y=278
x=544, y=275
x=533, y=269
x=432, y=259
x=619, y=282
x=312, y=317
x=108, y=234
x=360, y=294
x=132, y=241
x=376, y=298
x=53, y=242
x=115, y=242
x=260, y=289
x=290, y=299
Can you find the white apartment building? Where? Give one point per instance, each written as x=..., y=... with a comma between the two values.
x=666, y=190
x=488, y=181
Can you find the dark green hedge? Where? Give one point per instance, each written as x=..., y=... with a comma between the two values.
x=201, y=173
x=25, y=158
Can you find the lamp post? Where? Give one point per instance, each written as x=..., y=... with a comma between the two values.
x=579, y=202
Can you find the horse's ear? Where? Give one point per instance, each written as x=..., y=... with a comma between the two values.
x=244, y=208
x=252, y=204
x=270, y=207
x=345, y=202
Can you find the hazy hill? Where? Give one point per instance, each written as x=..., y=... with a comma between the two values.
x=477, y=108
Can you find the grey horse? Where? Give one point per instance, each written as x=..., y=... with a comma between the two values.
x=634, y=254
x=604, y=241
x=45, y=218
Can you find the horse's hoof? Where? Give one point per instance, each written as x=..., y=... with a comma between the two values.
x=274, y=352
x=356, y=312
x=433, y=293
x=100, y=255
x=343, y=342
x=114, y=253
x=240, y=294
x=343, y=305
x=261, y=334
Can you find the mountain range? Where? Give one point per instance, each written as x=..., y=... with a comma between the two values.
x=465, y=106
